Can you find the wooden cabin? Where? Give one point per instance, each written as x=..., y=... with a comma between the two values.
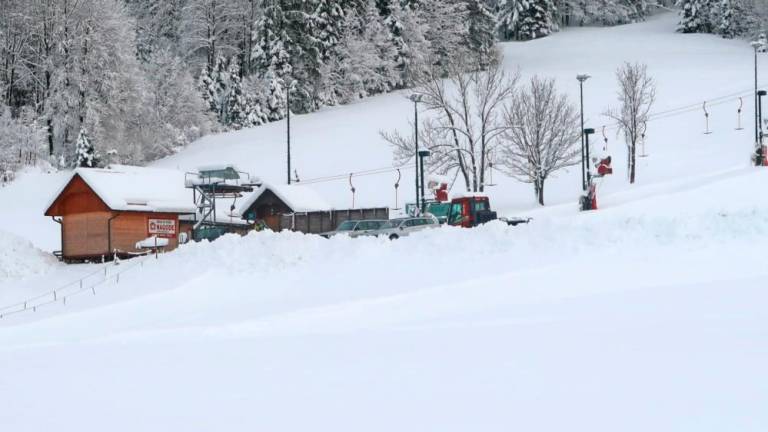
x=106, y=212
x=269, y=202
x=299, y=208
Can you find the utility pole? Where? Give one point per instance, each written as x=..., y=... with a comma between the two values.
x=756, y=46
x=581, y=78
x=288, y=130
x=423, y=154
x=416, y=98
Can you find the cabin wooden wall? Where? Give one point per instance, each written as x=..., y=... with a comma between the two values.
x=128, y=228
x=85, y=234
x=88, y=234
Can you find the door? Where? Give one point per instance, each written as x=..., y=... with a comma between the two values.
x=272, y=222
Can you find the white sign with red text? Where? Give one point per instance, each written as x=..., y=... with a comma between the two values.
x=165, y=228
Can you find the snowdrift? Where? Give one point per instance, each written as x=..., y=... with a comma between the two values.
x=19, y=258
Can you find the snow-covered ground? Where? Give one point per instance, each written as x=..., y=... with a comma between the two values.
x=648, y=315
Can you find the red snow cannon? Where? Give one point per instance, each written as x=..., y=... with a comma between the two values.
x=604, y=167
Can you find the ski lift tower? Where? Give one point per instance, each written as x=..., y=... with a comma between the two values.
x=208, y=185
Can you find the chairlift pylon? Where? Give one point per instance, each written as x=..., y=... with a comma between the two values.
x=397, y=186
x=706, y=118
x=490, y=170
x=643, y=154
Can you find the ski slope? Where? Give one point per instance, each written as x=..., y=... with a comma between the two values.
x=648, y=315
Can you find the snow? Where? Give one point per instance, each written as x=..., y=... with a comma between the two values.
x=648, y=315
x=152, y=242
x=19, y=258
x=130, y=188
x=299, y=198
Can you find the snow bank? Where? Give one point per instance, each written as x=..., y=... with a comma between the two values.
x=19, y=258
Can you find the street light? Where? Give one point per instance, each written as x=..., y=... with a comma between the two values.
x=756, y=45
x=423, y=154
x=581, y=78
x=290, y=87
x=416, y=98
x=587, y=133
x=760, y=95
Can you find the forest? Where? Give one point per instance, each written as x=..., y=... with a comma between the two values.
x=92, y=82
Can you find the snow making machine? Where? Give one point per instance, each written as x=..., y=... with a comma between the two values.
x=599, y=165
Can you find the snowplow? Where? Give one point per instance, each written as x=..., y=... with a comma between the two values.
x=469, y=211
x=465, y=210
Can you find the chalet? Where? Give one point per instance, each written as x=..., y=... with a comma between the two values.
x=299, y=208
x=106, y=212
x=269, y=202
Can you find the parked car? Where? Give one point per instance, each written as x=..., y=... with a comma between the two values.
x=396, y=228
x=356, y=228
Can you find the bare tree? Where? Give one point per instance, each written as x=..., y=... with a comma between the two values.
x=542, y=135
x=637, y=92
x=465, y=124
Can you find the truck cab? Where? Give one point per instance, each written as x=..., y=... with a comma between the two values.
x=470, y=211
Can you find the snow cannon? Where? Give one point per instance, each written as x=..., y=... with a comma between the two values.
x=604, y=167
x=439, y=187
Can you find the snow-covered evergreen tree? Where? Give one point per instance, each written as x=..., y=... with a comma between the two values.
x=481, y=35
x=86, y=156
x=276, y=103
x=271, y=41
x=242, y=109
x=696, y=16
x=537, y=20
x=508, y=16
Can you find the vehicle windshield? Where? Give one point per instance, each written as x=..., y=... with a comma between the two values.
x=347, y=226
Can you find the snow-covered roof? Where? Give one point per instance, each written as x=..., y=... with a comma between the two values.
x=299, y=198
x=130, y=188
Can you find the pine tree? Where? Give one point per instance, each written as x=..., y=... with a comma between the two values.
x=696, y=16
x=481, y=37
x=271, y=41
x=726, y=27
x=86, y=154
x=537, y=20
x=509, y=13
x=326, y=23
x=276, y=97
x=242, y=109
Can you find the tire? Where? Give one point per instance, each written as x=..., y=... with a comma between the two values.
x=394, y=236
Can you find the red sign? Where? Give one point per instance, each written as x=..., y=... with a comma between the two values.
x=163, y=228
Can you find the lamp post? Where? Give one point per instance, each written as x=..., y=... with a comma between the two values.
x=760, y=95
x=422, y=154
x=587, y=132
x=581, y=78
x=416, y=98
x=288, y=128
x=756, y=46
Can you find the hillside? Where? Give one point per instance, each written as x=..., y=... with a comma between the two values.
x=648, y=315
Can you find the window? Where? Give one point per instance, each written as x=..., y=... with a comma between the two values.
x=347, y=226
x=481, y=206
x=456, y=214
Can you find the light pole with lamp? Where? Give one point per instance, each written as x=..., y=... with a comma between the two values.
x=416, y=98
x=756, y=46
x=581, y=78
x=290, y=87
x=422, y=154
